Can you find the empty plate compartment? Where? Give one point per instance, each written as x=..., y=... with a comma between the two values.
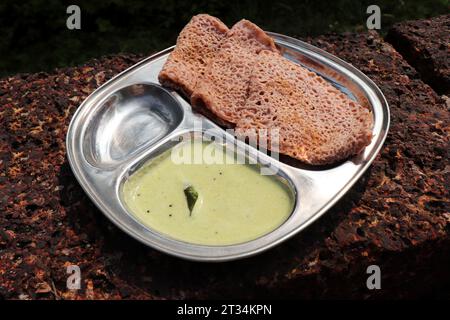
x=127, y=121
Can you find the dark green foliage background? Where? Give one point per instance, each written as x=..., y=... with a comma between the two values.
x=34, y=37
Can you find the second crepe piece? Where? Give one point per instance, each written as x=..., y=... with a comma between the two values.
x=317, y=123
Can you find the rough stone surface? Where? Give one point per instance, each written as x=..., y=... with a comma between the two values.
x=397, y=216
x=425, y=44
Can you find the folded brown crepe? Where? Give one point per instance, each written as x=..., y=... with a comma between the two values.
x=238, y=79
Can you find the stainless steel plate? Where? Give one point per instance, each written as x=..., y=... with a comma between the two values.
x=131, y=119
